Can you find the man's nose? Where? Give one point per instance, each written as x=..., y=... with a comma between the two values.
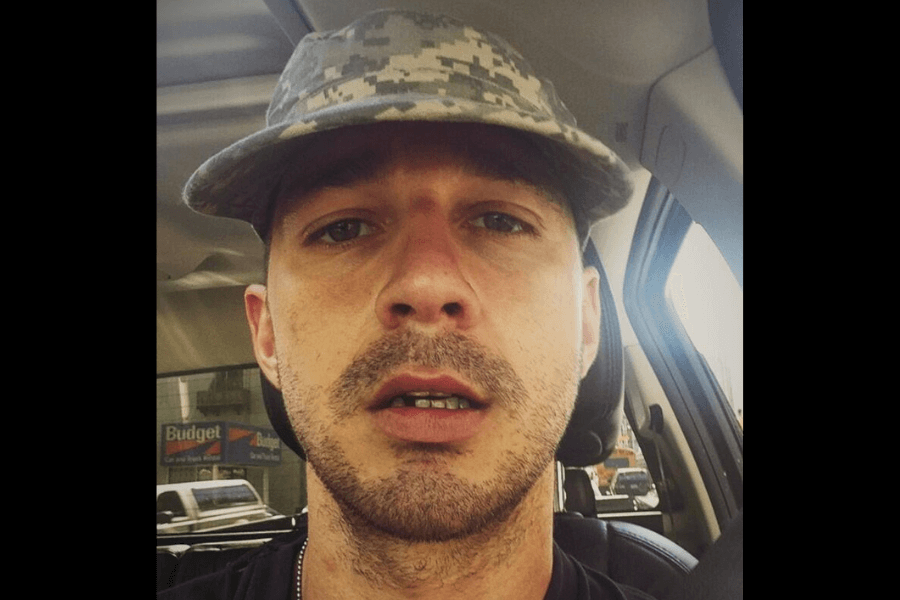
x=428, y=286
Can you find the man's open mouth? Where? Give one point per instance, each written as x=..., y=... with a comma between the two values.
x=434, y=410
x=443, y=393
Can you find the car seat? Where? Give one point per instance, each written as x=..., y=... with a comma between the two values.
x=629, y=554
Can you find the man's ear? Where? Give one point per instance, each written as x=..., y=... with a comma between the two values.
x=262, y=333
x=590, y=318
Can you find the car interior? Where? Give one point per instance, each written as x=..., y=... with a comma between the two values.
x=658, y=82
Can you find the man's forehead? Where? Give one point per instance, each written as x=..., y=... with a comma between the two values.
x=360, y=154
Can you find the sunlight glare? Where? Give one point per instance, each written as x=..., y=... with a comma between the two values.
x=710, y=304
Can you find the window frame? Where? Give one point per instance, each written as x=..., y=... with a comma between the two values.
x=712, y=431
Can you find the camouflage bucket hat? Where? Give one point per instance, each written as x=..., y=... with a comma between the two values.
x=393, y=65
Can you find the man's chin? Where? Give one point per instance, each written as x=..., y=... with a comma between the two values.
x=422, y=520
x=423, y=506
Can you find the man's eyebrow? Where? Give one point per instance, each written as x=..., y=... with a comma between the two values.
x=345, y=172
x=366, y=164
x=494, y=164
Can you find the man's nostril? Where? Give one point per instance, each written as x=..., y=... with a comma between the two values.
x=453, y=308
x=402, y=310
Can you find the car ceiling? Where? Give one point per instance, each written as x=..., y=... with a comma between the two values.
x=218, y=62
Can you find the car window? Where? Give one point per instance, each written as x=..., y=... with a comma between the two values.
x=213, y=426
x=622, y=482
x=687, y=312
x=224, y=497
x=169, y=501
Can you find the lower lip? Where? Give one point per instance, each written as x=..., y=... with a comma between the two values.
x=429, y=425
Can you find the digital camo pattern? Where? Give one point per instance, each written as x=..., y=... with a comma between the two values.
x=401, y=66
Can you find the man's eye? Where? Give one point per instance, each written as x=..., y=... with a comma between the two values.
x=341, y=231
x=500, y=222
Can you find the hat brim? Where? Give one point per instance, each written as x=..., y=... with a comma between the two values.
x=240, y=181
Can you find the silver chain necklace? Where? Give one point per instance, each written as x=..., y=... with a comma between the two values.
x=300, y=569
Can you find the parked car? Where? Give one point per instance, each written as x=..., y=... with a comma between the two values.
x=208, y=505
x=631, y=481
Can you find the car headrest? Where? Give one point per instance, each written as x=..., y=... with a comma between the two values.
x=594, y=427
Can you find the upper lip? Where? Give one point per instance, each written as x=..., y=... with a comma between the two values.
x=402, y=384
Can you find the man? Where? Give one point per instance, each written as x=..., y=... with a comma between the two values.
x=424, y=200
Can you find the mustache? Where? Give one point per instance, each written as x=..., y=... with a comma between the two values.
x=449, y=351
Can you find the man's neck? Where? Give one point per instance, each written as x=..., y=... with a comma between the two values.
x=511, y=560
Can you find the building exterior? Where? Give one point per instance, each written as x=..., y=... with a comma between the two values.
x=213, y=426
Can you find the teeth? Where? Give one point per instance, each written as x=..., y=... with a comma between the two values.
x=427, y=395
x=430, y=400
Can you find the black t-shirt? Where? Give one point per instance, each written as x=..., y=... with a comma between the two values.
x=268, y=574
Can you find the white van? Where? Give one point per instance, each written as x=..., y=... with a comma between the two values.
x=208, y=505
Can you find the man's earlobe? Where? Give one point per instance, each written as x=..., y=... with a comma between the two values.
x=262, y=333
x=590, y=318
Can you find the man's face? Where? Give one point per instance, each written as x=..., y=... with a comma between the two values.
x=427, y=319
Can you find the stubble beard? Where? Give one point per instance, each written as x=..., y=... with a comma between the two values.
x=417, y=503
